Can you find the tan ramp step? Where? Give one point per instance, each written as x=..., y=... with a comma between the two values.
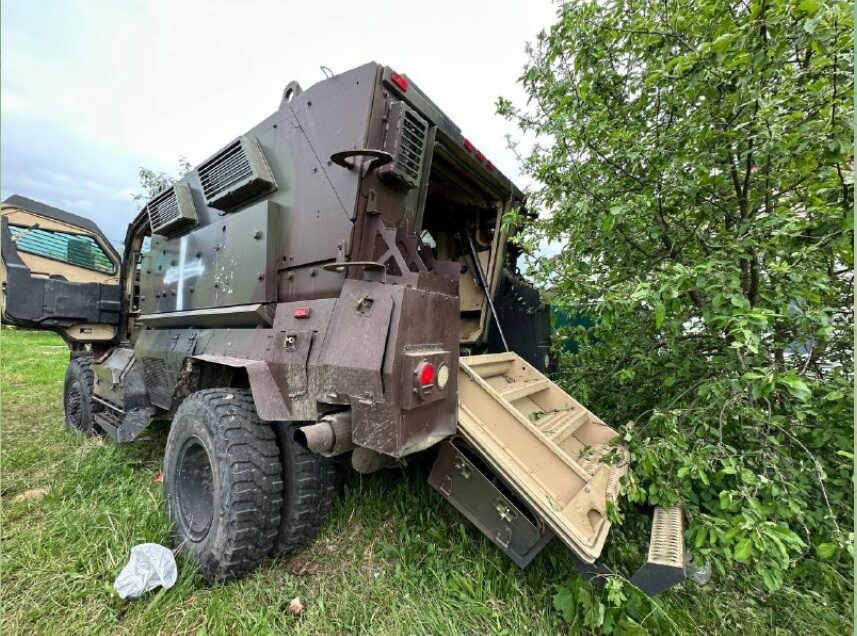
x=552, y=451
x=665, y=565
x=558, y=426
x=516, y=390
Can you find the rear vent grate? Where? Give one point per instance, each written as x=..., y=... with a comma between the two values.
x=235, y=175
x=172, y=211
x=406, y=142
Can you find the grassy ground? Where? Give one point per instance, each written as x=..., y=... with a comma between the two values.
x=394, y=558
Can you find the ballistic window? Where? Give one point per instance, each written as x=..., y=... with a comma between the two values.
x=74, y=249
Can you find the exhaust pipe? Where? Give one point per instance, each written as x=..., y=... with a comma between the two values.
x=330, y=436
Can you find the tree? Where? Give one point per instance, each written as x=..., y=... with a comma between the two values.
x=695, y=163
x=154, y=182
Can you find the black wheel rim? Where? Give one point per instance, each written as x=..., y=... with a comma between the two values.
x=74, y=407
x=194, y=489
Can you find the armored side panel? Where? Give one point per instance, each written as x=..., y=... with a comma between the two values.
x=270, y=209
x=231, y=262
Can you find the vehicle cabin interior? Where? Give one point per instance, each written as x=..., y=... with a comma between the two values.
x=457, y=203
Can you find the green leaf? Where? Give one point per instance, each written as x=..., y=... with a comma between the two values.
x=660, y=314
x=796, y=387
x=748, y=477
x=827, y=550
x=722, y=43
x=565, y=603
x=743, y=550
x=773, y=580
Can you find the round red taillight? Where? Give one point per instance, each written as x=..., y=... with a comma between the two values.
x=426, y=376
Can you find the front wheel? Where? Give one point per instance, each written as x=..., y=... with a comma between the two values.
x=223, y=483
x=77, y=397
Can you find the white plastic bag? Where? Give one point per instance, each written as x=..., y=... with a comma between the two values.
x=150, y=565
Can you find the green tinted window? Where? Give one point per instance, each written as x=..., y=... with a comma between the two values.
x=74, y=249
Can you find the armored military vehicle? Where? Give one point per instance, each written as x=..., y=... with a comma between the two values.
x=337, y=282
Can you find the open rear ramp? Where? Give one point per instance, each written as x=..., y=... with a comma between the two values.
x=555, y=455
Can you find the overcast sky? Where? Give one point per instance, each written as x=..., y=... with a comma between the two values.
x=91, y=90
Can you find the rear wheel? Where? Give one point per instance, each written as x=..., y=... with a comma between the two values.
x=77, y=396
x=223, y=483
x=308, y=483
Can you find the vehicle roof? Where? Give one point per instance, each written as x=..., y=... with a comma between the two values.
x=448, y=127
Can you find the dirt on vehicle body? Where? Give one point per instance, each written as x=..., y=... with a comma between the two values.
x=335, y=282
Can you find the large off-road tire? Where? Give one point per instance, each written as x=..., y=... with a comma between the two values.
x=77, y=396
x=223, y=483
x=308, y=484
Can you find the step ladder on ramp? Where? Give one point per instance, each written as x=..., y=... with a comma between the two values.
x=532, y=462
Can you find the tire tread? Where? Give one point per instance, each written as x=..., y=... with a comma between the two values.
x=250, y=516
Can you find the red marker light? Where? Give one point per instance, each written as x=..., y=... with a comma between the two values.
x=480, y=156
x=468, y=146
x=426, y=374
x=301, y=312
x=489, y=165
x=399, y=81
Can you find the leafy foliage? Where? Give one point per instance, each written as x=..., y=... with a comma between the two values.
x=695, y=170
x=610, y=611
x=152, y=181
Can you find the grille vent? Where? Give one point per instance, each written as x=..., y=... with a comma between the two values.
x=666, y=546
x=157, y=383
x=172, y=211
x=235, y=175
x=406, y=142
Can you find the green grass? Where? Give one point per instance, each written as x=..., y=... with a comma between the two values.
x=394, y=558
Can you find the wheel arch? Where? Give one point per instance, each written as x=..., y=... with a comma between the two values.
x=210, y=371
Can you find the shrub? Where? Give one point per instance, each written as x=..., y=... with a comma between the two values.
x=694, y=176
